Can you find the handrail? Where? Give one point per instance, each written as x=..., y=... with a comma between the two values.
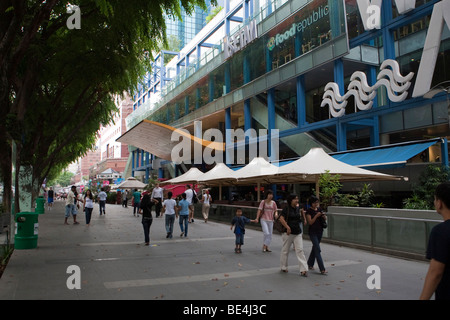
x=379, y=217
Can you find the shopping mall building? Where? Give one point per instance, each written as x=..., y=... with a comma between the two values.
x=364, y=80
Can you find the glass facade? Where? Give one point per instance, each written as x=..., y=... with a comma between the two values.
x=278, y=80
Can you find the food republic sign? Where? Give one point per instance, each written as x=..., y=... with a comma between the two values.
x=314, y=17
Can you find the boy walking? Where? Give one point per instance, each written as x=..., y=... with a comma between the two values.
x=437, y=280
x=239, y=222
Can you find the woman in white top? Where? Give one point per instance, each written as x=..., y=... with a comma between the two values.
x=88, y=206
x=169, y=206
x=206, y=202
x=266, y=211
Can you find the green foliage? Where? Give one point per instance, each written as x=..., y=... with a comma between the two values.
x=378, y=205
x=63, y=179
x=365, y=196
x=58, y=84
x=329, y=186
x=423, y=192
x=348, y=200
x=214, y=13
x=416, y=203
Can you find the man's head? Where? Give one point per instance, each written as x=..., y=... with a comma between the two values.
x=442, y=198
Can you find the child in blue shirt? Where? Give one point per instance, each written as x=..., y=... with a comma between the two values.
x=183, y=206
x=239, y=222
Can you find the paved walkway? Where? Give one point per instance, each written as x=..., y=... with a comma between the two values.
x=115, y=264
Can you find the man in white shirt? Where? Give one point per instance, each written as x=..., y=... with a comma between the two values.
x=70, y=205
x=170, y=211
x=189, y=198
x=102, y=200
x=157, y=194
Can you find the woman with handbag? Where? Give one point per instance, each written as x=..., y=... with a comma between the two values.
x=266, y=211
x=317, y=222
x=290, y=218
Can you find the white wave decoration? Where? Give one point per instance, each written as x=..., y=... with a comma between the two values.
x=390, y=77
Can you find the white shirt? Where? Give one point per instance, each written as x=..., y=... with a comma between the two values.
x=189, y=195
x=102, y=196
x=157, y=192
x=89, y=203
x=206, y=198
x=170, y=206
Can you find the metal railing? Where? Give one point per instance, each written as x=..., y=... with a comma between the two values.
x=396, y=235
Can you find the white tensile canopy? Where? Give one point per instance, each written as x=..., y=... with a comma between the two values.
x=308, y=168
x=131, y=183
x=190, y=176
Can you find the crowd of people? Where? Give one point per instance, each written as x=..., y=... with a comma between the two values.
x=293, y=218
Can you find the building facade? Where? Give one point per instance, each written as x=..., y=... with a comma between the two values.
x=324, y=73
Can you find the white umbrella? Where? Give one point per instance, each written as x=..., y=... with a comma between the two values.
x=308, y=169
x=258, y=171
x=220, y=175
x=191, y=176
x=131, y=183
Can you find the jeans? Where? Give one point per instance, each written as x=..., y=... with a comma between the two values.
x=136, y=207
x=170, y=219
x=158, y=207
x=239, y=239
x=102, y=204
x=88, y=212
x=146, y=223
x=267, y=229
x=184, y=220
x=315, y=252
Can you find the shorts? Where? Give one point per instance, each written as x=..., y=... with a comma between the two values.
x=70, y=209
x=50, y=200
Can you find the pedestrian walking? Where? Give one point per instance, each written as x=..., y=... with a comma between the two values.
x=88, y=206
x=70, y=206
x=437, y=280
x=206, y=204
x=183, y=208
x=124, y=199
x=157, y=196
x=136, y=202
x=267, y=211
x=102, y=200
x=290, y=218
x=315, y=218
x=50, y=197
x=145, y=208
x=239, y=222
x=191, y=197
x=170, y=206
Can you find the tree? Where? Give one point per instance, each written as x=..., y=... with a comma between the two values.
x=214, y=13
x=329, y=186
x=57, y=84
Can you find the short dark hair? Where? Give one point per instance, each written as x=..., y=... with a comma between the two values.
x=313, y=199
x=291, y=197
x=183, y=195
x=442, y=193
x=238, y=209
x=169, y=194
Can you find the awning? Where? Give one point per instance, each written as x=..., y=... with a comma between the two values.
x=392, y=155
x=155, y=137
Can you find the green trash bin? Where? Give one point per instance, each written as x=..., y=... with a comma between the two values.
x=40, y=205
x=27, y=227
